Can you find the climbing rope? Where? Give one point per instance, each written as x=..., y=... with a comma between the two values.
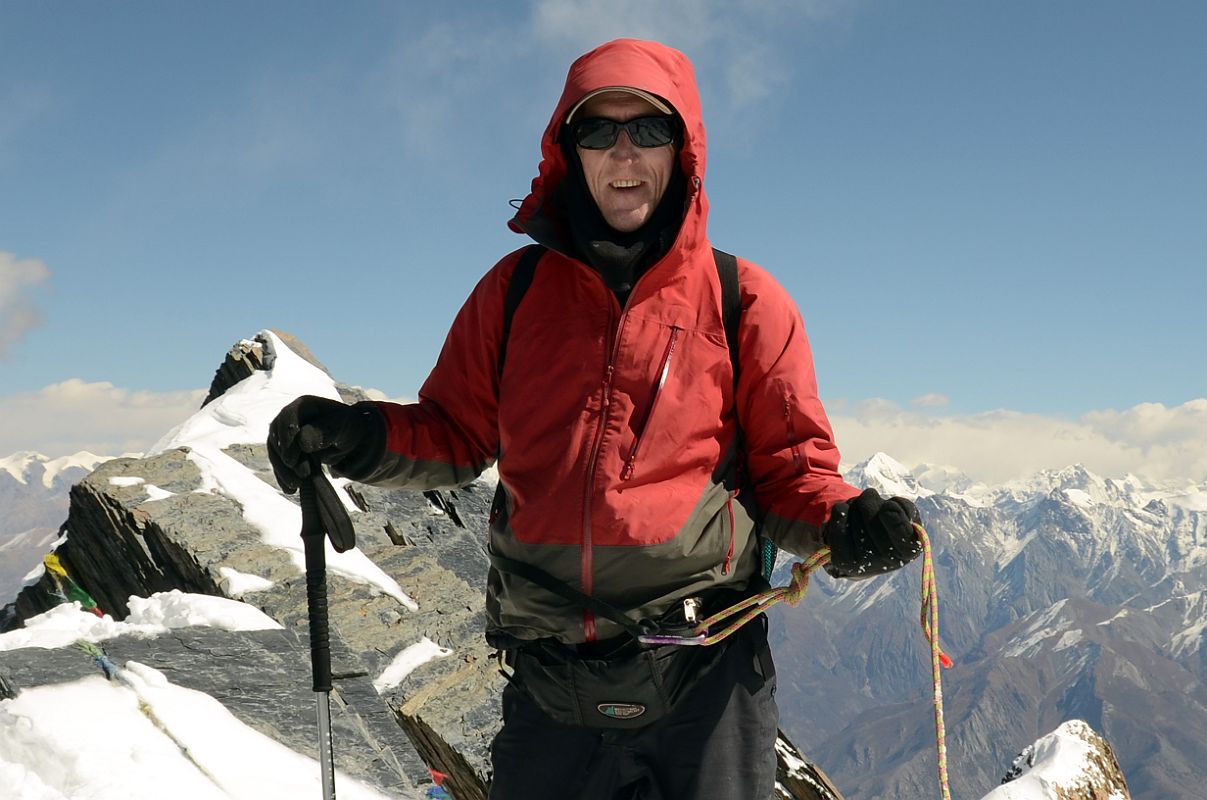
x=938, y=659
x=794, y=593
x=114, y=674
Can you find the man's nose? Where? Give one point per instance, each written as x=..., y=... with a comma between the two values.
x=624, y=146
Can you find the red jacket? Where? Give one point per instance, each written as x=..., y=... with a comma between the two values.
x=614, y=429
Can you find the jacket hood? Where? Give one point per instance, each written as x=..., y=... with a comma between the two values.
x=645, y=65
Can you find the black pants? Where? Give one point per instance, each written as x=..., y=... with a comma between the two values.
x=719, y=744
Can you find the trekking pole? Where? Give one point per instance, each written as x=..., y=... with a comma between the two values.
x=314, y=540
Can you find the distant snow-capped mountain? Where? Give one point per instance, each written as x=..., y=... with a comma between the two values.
x=1063, y=596
x=27, y=468
x=33, y=504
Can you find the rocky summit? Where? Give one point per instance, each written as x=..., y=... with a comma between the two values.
x=416, y=689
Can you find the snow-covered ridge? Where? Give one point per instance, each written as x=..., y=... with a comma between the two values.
x=149, y=616
x=25, y=465
x=129, y=733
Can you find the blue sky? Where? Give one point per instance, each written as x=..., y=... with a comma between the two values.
x=986, y=210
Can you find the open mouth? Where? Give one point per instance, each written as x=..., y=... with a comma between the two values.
x=625, y=184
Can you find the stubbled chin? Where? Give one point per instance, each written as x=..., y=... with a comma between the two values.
x=626, y=217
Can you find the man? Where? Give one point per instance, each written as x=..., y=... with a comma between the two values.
x=637, y=472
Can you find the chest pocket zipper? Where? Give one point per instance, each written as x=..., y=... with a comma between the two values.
x=663, y=370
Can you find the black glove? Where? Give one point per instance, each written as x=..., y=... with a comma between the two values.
x=315, y=429
x=870, y=535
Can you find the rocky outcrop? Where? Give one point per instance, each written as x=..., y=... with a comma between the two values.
x=140, y=526
x=1071, y=763
x=799, y=778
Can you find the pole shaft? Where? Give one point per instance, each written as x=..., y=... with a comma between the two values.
x=326, y=750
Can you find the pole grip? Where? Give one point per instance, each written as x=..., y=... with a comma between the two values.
x=313, y=541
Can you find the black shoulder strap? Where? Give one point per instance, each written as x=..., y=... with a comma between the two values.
x=731, y=303
x=731, y=316
x=521, y=279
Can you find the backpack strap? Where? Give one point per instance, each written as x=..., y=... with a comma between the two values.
x=731, y=304
x=731, y=317
x=521, y=279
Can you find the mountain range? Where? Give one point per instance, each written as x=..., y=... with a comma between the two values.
x=33, y=504
x=1063, y=596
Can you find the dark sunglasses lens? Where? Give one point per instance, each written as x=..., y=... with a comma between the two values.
x=596, y=134
x=600, y=134
x=650, y=131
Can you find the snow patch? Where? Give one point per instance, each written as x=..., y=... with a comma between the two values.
x=132, y=738
x=1067, y=640
x=407, y=661
x=1044, y=627
x=68, y=623
x=236, y=584
x=1079, y=498
x=153, y=491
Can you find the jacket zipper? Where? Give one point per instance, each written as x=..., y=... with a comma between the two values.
x=729, y=553
x=656, y=393
x=588, y=557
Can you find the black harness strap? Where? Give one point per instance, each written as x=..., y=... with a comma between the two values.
x=564, y=590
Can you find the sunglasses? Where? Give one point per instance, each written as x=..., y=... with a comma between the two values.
x=597, y=133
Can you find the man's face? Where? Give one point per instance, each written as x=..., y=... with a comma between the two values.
x=626, y=181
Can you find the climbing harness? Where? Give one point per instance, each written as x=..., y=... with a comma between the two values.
x=707, y=631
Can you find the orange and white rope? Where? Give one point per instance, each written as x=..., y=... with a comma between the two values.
x=794, y=593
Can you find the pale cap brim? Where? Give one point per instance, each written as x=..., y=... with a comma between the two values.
x=653, y=100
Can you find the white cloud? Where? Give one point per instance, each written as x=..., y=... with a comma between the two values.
x=586, y=23
x=17, y=310
x=732, y=40
x=67, y=417
x=1149, y=440
x=932, y=400
x=436, y=79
